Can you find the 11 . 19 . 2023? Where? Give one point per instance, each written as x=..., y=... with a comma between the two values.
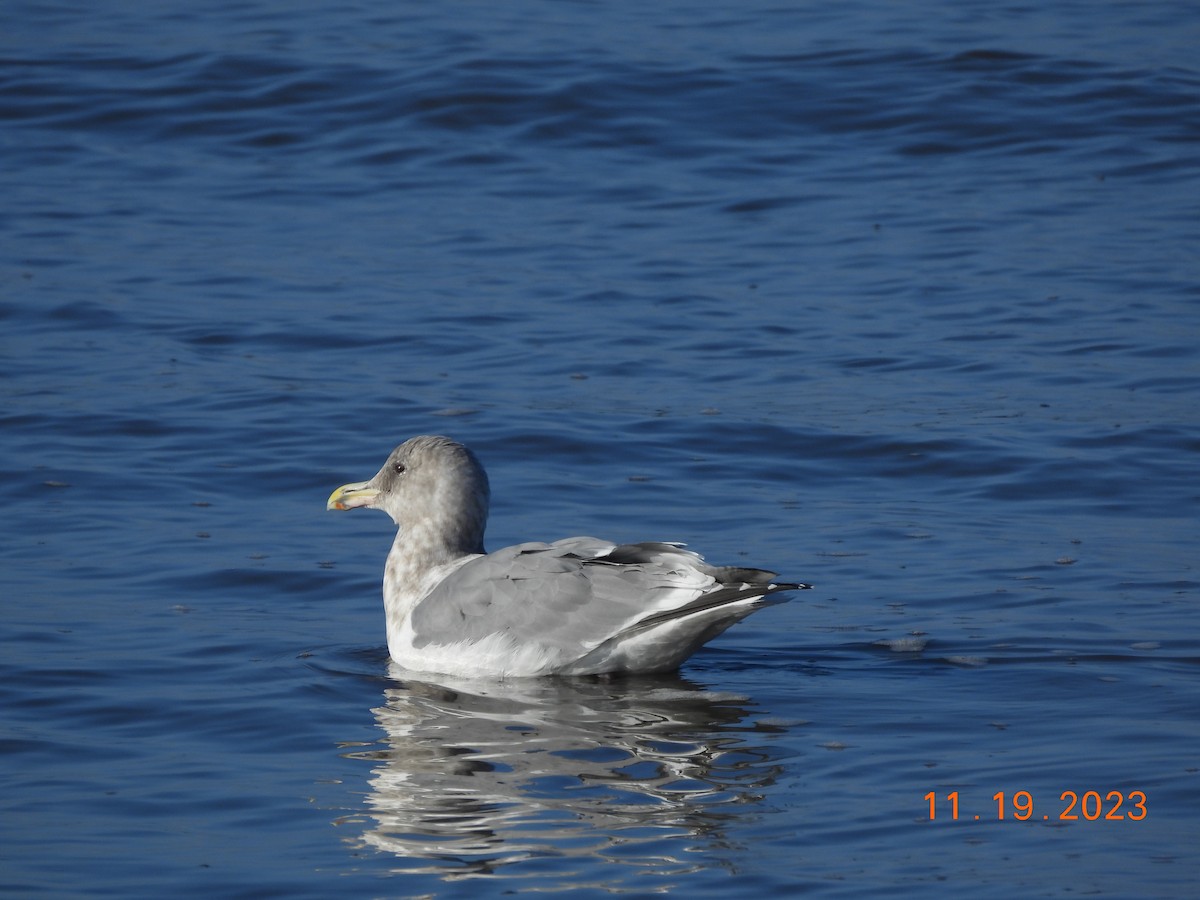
x=1113, y=806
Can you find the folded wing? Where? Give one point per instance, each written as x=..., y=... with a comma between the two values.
x=582, y=596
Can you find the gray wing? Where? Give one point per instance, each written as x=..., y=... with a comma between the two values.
x=577, y=593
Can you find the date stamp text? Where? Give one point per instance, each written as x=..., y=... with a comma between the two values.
x=1090, y=806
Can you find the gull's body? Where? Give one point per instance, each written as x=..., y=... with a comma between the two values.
x=579, y=606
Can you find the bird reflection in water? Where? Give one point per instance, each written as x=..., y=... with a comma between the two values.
x=647, y=772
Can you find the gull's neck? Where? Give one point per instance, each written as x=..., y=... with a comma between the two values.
x=421, y=556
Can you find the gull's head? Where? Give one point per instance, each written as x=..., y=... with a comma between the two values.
x=427, y=482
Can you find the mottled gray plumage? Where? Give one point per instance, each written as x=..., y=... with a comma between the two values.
x=576, y=606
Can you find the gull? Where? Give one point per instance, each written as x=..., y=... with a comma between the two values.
x=578, y=606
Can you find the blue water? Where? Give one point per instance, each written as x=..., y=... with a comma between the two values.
x=899, y=299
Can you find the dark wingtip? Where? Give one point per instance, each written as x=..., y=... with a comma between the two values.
x=735, y=575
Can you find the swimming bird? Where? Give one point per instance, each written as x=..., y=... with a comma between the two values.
x=579, y=606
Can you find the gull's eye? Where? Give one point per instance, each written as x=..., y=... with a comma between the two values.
x=398, y=468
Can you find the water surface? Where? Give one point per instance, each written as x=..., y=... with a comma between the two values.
x=899, y=301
